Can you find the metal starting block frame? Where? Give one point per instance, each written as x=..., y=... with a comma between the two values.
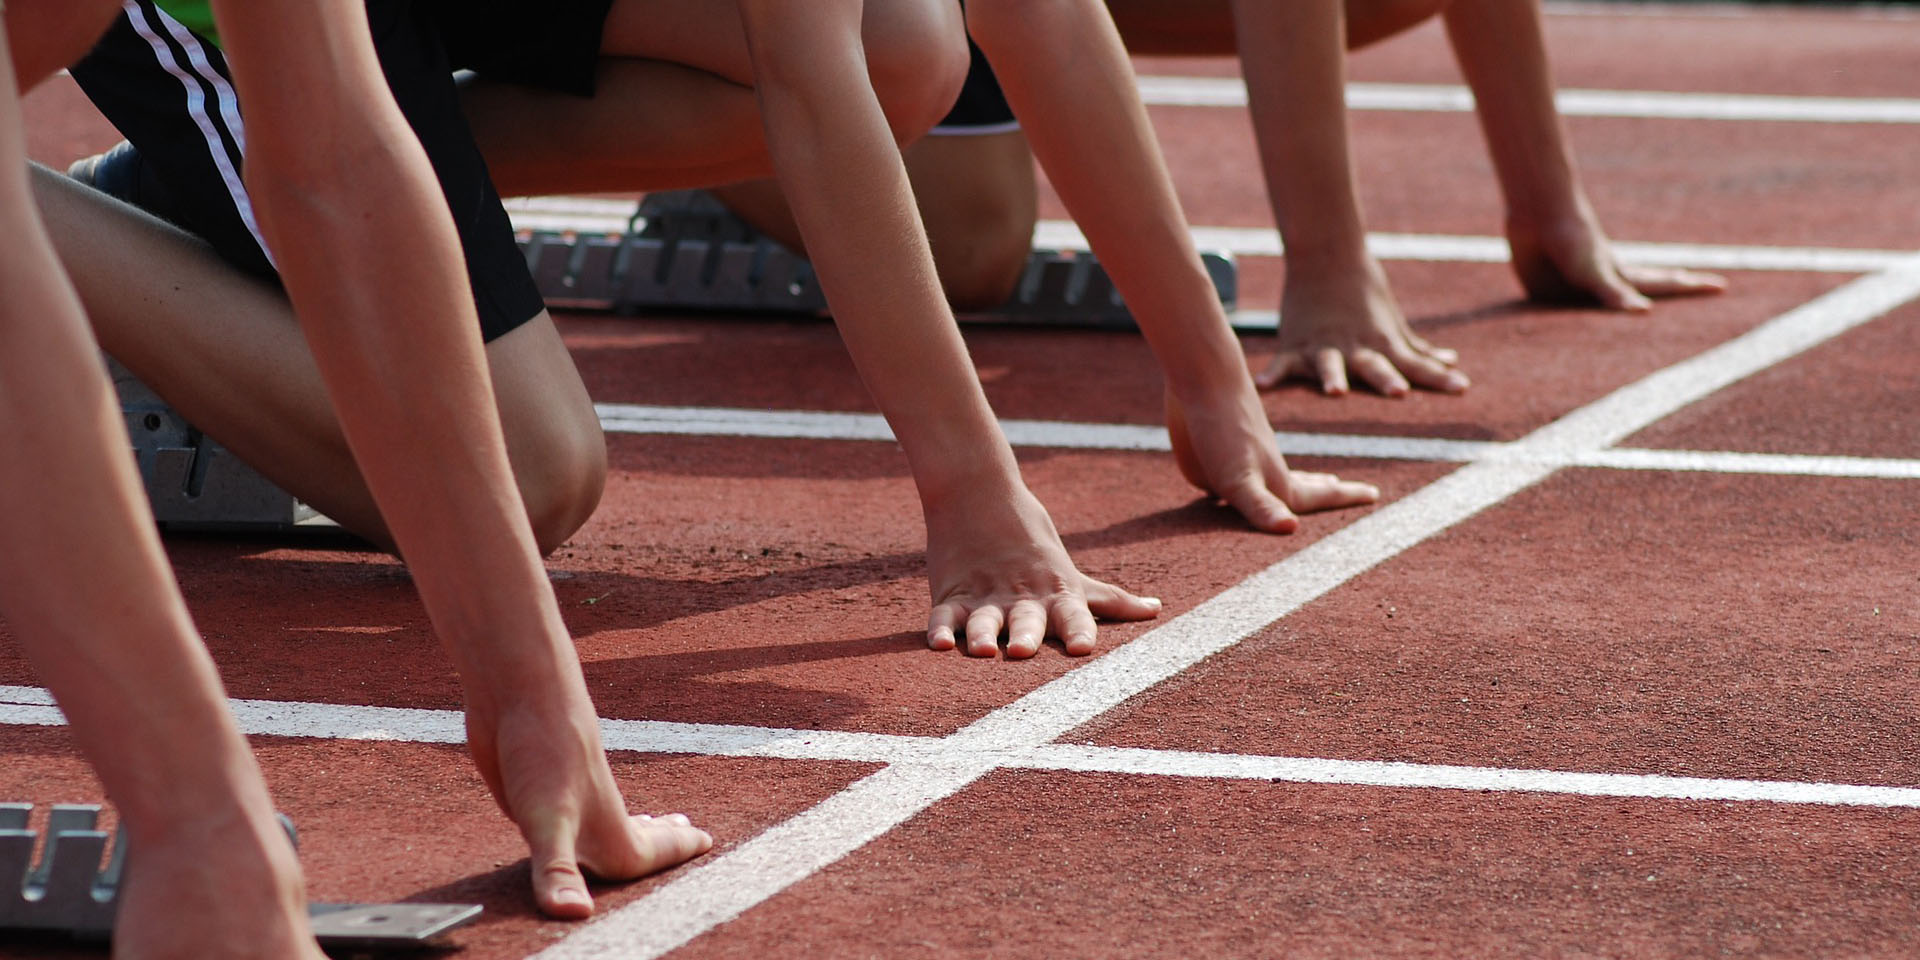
x=69, y=891
x=685, y=251
x=192, y=481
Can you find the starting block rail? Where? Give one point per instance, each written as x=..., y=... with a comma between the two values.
x=70, y=891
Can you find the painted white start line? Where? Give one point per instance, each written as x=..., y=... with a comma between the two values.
x=590, y=215
x=714, y=891
x=1162, y=91
x=1025, y=734
x=871, y=427
x=32, y=706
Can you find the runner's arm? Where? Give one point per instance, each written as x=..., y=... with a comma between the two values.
x=1065, y=72
x=1559, y=249
x=989, y=540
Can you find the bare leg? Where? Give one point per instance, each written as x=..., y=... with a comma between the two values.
x=226, y=351
x=85, y=586
x=675, y=105
x=976, y=193
x=976, y=196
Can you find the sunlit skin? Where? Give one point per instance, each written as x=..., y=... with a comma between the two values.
x=1341, y=323
x=532, y=729
x=1065, y=72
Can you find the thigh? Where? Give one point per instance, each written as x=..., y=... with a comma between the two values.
x=168, y=90
x=703, y=35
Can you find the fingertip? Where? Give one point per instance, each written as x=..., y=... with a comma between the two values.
x=1275, y=520
x=940, y=640
x=1367, y=492
x=1080, y=644
x=1023, y=647
x=567, y=901
x=1456, y=382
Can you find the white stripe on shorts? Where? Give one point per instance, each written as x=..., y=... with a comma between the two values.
x=229, y=106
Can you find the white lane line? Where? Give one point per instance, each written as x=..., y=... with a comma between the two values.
x=1448, y=248
x=1163, y=91
x=1626, y=458
x=724, y=887
x=30, y=706
x=810, y=425
x=589, y=215
x=1373, y=773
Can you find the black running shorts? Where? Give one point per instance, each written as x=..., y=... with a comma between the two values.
x=981, y=108
x=554, y=44
x=170, y=93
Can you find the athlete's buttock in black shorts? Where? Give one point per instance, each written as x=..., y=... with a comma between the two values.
x=169, y=92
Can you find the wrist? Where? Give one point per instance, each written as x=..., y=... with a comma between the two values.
x=967, y=487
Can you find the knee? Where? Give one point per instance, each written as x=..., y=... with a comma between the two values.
x=917, y=60
x=562, y=475
x=980, y=266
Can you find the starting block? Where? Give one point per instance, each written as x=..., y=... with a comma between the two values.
x=192, y=481
x=684, y=250
x=69, y=891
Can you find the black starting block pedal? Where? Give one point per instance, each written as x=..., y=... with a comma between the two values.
x=192, y=481
x=69, y=891
x=684, y=250
x=1073, y=289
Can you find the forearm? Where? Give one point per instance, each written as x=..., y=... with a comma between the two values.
x=1501, y=46
x=1293, y=55
x=836, y=161
x=1065, y=73
x=368, y=254
x=84, y=584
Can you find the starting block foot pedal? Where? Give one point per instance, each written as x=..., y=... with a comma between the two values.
x=192, y=481
x=689, y=252
x=70, y=891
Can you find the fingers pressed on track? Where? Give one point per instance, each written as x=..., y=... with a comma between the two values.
x=1378, y=372
x=1671, y=282
x=943, y=623
x=1331, y=367
x=1073, y=623
x=1430, y=373
x=983, y=630
x=1288, y=365
x=1267, y=512
x=1026, y=628
x=559, y=888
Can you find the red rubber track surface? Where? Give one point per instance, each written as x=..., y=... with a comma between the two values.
x=1700, y=624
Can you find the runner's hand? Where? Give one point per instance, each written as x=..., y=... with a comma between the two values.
x=996, y=565
x=1230, y=452
x=1571, y=261
x=1337, y=322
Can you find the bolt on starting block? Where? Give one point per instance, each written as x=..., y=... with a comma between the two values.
x=70, y=891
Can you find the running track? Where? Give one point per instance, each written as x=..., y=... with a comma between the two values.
x=1623, y=665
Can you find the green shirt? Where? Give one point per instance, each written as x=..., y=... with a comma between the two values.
x=196, y=15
